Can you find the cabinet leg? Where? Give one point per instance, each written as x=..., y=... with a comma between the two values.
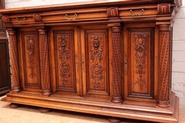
x=44, y=110
x=13, y=105
x=114, y=120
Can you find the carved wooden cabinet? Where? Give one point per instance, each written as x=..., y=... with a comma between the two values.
x=107, y=58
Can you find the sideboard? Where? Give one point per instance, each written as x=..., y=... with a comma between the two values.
x=110, y=58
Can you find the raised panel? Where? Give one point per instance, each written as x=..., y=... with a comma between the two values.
x=31, y=60
x=96, y=52
x=64, y=59
x=140, y=63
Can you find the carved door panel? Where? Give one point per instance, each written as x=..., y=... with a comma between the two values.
x=29, y=44
x=139, y=63
x=66, y=68
x=95, y=62
x=5, y=67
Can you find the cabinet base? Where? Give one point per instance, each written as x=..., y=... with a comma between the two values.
x=84, y=105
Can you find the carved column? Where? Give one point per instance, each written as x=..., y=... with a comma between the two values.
x=44, y=61
x=116, y=62
x=164, y=65
x=14, y=60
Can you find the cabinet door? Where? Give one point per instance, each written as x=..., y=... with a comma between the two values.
x=95, y=61
x=62, y=54
x=139, y=63
x=29, y=60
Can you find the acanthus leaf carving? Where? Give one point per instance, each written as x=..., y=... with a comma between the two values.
x=112, y=11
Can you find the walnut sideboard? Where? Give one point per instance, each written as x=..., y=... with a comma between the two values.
x=111, y=58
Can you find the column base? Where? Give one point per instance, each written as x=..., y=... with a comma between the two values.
x=16, y=89
x=46, y=92
x=116, y=100
x=163, y=104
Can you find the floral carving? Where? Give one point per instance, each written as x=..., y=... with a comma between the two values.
x=96, y=57
x=64, y=54
x=30, y=48
x=140, y=48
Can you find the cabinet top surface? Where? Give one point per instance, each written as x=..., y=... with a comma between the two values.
x=90, y=3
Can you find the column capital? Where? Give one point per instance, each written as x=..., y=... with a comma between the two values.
x=164, y=27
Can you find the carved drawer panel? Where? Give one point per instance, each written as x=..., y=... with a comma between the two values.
x=140, y=63
x=64, y=60
x=31, y=63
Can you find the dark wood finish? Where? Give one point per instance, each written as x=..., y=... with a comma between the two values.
x=5, y=67
x=5, y=84
x=94, y=58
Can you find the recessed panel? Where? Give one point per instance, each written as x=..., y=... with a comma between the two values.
x=31, y=59
x=97, y=62
x=140, y=63
x=64, y=54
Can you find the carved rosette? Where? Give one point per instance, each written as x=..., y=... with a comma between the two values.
x=37, y=17
x=164, y=65
x=30, y=52
x=116, y=44
x=14, y=60
x=140, y=47
x=96, y=66
x=64, y=55
x=44, y=62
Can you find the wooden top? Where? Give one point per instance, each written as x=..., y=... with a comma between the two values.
x=80, y=5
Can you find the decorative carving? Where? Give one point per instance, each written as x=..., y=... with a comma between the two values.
x=164, y=38
x=14, y=62
x=112, y=12
x=164, y=8
x=5, y=19
x=37, y=18
x=64, y=54
x=116, y=42
x=21, y=20
x=96, y=57
x=138, y=14
x=30, y=48
x=140, y=47
x=44, y=62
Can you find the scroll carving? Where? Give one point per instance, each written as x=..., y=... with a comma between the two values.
x=96, y=57
x=116, y=42
x=164, y=38
x=44, y=62
x=164, y=8
x=112, y=12
x=14, y=62
x=30, y=48
x=64, y=55
x=140, y=47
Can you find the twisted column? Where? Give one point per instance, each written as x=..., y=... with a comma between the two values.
x=14, y=60
x=116, y=56
x=164, y=65
x=44, y=62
